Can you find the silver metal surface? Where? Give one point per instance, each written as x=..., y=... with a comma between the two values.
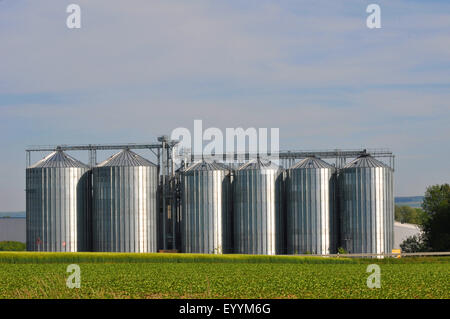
x=206, y=209
x=258, y=215
x=367, y=206
x=287, y=158
x=311, y=214
x=58, y=201
x=124, y=204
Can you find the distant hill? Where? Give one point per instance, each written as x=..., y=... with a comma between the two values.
x=412, y=201
x=13, y=214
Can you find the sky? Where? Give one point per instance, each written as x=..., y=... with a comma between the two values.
x=139, y=69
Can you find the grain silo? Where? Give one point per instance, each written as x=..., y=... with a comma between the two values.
x=58, y=204
x=206, y=208
x=311, y=213
x=124, y=204
x=258, y=215
x=367, y=206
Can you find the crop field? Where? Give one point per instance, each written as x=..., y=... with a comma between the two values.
x=44, y=275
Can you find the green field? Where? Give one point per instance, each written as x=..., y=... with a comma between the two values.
x=43, y=275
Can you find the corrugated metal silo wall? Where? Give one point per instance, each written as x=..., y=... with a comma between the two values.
x=124, y=209
x=258, y=212
x=206, y=212
x=58, y=204
x=367, y=209
x=312, y=225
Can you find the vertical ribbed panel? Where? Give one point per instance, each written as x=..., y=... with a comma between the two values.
x=58, y=204
x=206, y=223
x=258, y=220
x=367, y=209
x=311, y=213
x=125, y=210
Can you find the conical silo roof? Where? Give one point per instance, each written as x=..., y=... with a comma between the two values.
x=365, y=161
x=58, y=159
x=311, y=162
x=126, y=158
x=258, y=164
x=206, y=166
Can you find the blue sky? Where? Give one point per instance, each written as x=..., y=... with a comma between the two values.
x=311, y=68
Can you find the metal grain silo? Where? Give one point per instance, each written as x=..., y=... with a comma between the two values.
x=367, y=206
x=206, y=209
x=58, y=204
x=124, y=204
x=258, y=216
x=311, y=214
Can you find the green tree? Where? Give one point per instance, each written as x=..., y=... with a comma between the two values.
x=436, y=196
x=414, y=244
x=12, y=246
x=436, y=224
x=410, y=215
x=437, y=229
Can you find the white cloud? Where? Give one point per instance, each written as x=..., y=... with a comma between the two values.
x=150, y=42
